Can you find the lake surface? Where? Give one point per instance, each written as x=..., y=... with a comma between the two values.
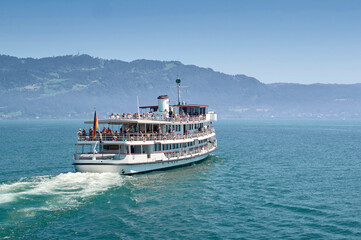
x=267, y=180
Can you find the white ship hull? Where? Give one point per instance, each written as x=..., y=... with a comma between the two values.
x=128, y=168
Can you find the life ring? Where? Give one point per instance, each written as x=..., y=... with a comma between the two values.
x=87, y=138
x=184, y=138
x=154, y=138
x=144, y=139
x=174, y=138
x=164, y=138
x=181, y=121
x=131, y=139
x=114, y=138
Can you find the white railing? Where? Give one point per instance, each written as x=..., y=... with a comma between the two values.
x=190, y=152
x=176, y=118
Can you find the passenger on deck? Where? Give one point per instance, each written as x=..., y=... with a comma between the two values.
x=79, y=132
x=84, y=132
x=112, y=116
x=90, y=131
x=104, y=131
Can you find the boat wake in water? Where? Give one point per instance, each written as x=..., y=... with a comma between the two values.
x=28, y=196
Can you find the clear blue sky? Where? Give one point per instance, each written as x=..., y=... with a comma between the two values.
x=274, y=41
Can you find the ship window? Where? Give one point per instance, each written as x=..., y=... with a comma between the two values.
x=157, y=147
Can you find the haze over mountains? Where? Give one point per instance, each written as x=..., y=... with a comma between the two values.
x=71, y=86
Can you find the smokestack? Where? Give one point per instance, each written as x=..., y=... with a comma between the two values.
x=163, y=103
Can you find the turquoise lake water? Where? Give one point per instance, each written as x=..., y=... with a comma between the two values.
x=267, y=180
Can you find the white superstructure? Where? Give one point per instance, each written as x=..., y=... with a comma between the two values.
x=166, y=136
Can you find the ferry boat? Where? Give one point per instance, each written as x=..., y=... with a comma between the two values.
x=162, y=136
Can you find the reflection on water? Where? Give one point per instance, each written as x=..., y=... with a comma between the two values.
x=175, y=175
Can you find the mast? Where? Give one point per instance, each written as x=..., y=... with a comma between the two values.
x=178, y=81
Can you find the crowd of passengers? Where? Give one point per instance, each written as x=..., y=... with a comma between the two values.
x=149, y=115
x=110, y=132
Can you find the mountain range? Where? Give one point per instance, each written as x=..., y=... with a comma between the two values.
x=71, y=86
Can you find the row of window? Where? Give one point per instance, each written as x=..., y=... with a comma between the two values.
x=158, y=146
x=177, y=128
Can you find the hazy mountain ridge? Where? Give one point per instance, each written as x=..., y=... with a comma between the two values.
x=70, y=86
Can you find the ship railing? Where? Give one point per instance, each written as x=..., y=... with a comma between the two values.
x=175, y=118
x=145, y=136
x=190, y=152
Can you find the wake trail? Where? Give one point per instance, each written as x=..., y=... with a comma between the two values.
x=51, y=193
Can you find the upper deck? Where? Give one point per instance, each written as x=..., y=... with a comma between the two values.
x=152, y=118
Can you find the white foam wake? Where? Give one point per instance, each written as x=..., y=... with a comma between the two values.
x=56, y=192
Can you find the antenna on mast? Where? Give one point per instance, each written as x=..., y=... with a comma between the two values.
x=178, y=81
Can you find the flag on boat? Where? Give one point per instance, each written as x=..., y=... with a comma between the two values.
x=95, y=125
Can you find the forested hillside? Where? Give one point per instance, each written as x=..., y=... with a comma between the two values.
x=71, y=86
